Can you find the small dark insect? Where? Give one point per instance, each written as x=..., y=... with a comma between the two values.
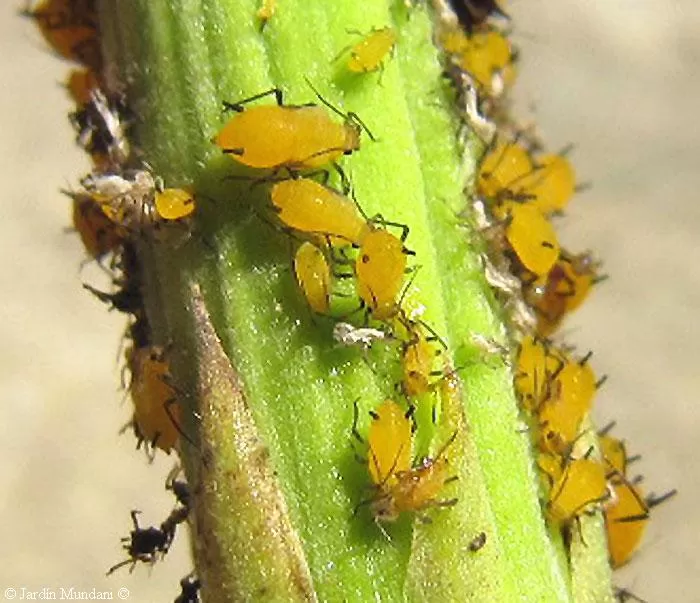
x=101, y=126
x=144, y=544
x=475, y=12
x=190, y=590
x=478, y=542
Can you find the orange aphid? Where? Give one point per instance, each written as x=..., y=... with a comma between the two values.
x=156, y=416
x=294, y=137
x=390, y=444
x=530, y=236
x=70, y=27
x=313, y=275
x=626, y=519
x=81, y=82
x=312, y=208
x=98, y=233
x=569, y=401
x=562, y=290
x=415, y=490
x=380, y=269
x=581, y=485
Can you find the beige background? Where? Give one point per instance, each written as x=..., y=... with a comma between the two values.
x=615, y=77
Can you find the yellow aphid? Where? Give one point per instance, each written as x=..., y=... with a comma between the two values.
x=380, y=269
x=614, y=452
x=550, y=185
x=309, y=207
x=505, y=163
x=569, y=401
x=417, y=360
x=156, y=417
x=136, y=201
x=530, y=236
x=390, y=444
x=314, y=276
x=626, y=519
x=294, y=137
x=369, y=54
x=415, y=490
x=537, y=362
x=580, y=487
x=266, y=11
x=174, y=203
x=484, y=56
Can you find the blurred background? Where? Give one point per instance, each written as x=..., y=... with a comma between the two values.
x=616, y=78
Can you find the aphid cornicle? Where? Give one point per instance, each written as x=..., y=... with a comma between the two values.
x=313, y=275
x=312, y=208
x=293, y=137
x=369, y=54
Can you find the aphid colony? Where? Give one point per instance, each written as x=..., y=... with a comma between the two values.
x=116, y=208
x=341, y=253
x=336, y=240
x=519, y=189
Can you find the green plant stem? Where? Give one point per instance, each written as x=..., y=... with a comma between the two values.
x=270, y=396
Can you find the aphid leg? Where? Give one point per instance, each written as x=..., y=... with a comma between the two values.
x=238, y=106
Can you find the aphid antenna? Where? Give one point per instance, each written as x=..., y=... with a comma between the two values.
x=350, y=116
